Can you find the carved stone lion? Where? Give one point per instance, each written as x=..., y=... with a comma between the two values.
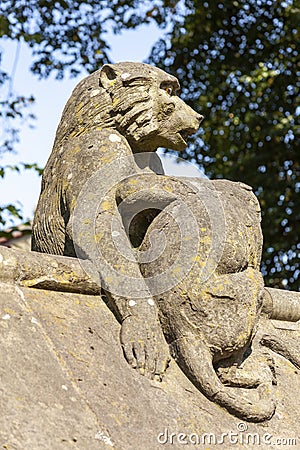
x=112, y=117
x=120, y=110
x=181, y=255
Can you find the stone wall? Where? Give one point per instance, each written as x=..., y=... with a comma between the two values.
x=65, y=383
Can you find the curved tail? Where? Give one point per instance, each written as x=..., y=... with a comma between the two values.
x=195, y=359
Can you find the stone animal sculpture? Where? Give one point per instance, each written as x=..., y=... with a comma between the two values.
x=117, y=112
x=210, y=301
x=216, y=316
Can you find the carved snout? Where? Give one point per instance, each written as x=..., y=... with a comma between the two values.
x=199, y=118
x=195, y=118
x=195, y=122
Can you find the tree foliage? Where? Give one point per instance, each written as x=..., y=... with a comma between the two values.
x=238, y=63
x=69, y=35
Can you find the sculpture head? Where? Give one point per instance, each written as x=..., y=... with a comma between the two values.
x=138, y=100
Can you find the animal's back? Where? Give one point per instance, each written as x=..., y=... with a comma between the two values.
x=68, y=169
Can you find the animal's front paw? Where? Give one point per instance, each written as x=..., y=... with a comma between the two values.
x=145, y=347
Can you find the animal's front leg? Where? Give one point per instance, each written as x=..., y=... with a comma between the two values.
x=106, y=254
x=144, y=345
x=141, y=336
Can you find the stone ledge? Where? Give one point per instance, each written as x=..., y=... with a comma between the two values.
x=43, y=271
x=65, y=383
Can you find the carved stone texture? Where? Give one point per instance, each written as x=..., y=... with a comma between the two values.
x=213, y=306
x=178, y=255
x=65, y=384
x=112, y=117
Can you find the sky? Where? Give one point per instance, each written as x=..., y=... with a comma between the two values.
x=51, y=95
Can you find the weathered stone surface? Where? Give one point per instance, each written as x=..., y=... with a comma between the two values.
x=112, y=117
x=65, y=384
x=117, y=112
x=54, y=272
x=41, y=407
x=184, y=251
x=203, y=256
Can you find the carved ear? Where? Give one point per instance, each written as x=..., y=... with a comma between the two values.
x=107, y=76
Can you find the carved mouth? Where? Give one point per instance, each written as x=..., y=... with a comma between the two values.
x=185, y=133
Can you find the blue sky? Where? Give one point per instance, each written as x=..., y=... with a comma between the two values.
x=51, y=95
